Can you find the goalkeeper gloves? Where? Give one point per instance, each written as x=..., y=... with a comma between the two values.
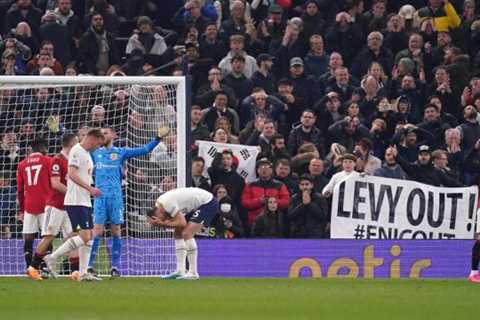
x=53, y=123
x=162, y=132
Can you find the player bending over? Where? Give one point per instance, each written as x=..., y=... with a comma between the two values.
x=185, y=210
x=108, y=163
x=56, y=217
x=78, y=203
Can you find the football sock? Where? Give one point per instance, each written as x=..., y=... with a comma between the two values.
x=192, y=254
x=475, y=255
x=93, y=254
x=84, y=256
x=27, y=251
x=116, y=250
x=69, y=245
x=181, y=254
x=37, y=260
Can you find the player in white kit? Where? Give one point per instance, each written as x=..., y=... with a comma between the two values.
x=185, y=210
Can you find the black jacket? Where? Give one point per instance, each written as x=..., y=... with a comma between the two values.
x=88, y=52
x=427, y=174
x=230, y=179
x=298, y=137
x=307, y=220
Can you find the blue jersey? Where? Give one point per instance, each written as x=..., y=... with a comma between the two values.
x=108, y=164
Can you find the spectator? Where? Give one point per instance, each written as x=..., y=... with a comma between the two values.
x=151, y=44
x=23, y=10
x=342, y=84
x=199, y=130
x=366, y=162
x=225, y=124
x=396, y=39
x=316, y=60
x=235, y=24
x=328, y=78
x=302, y=84
x=316, y=169
x=46, y=48
x=305, y=154
x=308, y=212
x=390, y=168
x=211, y=46
x=66, y=16
x=97, y=47
x=440, y=162
x=22, y=52
x=423, y=171
x=376, y=19
x=218, y=109
x=306, y=131
x=470, y=129
x=408, y=138
x=206, y=94
x=59, y=36
x=198, y=179
x=455, y=153
x=23, y=34
x=344, y=37
x=241, y=85
x=194, y=14
x=263, y=77
x=283, y=174
x=285, y=50
x=228, y=224
x=9, y=152
x=256, y=193
x=347, y=131
x=414, y=51
x=263, y=136
x=269, y=222
x=443, y=14
x=313, y=22
x=433, y=123
x=237, y=45
x=348, y=165
x=261, y=103
x=373, y=52
x=9, y=68
x=223, y=170
x=107, y=11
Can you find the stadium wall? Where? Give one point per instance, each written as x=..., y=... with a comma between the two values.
x=304, y=258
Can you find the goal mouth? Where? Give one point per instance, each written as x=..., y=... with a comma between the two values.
x=135, y=107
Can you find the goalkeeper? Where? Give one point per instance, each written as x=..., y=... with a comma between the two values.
x=108, y=162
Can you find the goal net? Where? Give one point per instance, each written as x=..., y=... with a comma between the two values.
x=49, y=107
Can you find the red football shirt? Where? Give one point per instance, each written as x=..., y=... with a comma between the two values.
x=33, y=183
x=58, y=168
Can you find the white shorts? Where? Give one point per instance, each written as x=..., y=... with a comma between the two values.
x=55, y=221
x=32, y=223
x=477, y=223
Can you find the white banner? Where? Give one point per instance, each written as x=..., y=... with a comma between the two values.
x=380, y=208
x=246, y=155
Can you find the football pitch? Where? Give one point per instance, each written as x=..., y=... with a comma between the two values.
x=153, y=298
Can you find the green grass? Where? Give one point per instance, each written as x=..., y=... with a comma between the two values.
x=152, y=298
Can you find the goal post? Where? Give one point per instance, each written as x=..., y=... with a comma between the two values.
x=50, y=106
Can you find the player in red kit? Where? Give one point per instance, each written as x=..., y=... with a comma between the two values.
x=33, y=188
x=56, y=218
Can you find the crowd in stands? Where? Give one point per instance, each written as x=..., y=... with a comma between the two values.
x=326, y=88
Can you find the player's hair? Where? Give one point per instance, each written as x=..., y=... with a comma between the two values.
x=109, y=128
x=95, y=132
x=67, y=139
x=39, y=145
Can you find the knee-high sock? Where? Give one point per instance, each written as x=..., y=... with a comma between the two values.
x=94, y=251
x=84, y=256
x=475, y=255
x=69, y=245
x=28, y=251
x=192, y=254
x=181, y=254
x=116, y=251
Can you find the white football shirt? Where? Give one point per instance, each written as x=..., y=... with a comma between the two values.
x=183, y=200
x=76, y=195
